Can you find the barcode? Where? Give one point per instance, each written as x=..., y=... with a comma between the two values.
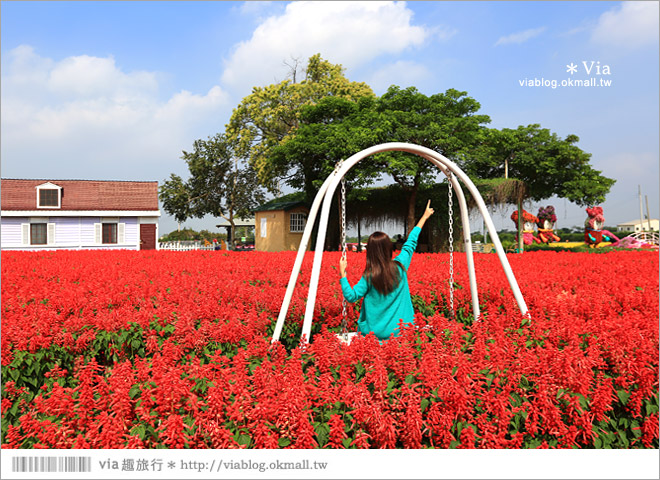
x=51, y=464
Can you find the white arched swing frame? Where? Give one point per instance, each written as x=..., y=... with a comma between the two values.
x=325, y=195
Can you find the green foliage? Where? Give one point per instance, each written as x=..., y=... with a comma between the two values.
x=548, y=164
x=270, y=115
x=190, y=234
x=219, y=184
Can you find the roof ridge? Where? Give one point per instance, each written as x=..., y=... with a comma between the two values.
x=77, y=180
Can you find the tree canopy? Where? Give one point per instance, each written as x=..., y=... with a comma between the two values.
x=335, y=128
x=219, y=185
x=270, y=115
x=546, y=163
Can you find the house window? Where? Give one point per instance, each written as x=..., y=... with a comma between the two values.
x=297, y=222
x=109, y=233
x=38, y=233
x=49, y=198
x=49, y=195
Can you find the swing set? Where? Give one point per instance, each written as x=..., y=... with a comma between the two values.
x=453, y=173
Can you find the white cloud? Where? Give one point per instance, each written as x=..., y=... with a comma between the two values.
x=520, y=37
x=631, y=24
x=350, y=33
x=84, y=117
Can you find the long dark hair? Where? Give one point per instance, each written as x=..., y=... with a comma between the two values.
x=381, y=271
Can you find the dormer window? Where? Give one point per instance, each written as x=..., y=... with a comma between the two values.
x=49, y=195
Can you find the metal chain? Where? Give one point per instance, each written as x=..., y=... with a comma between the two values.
x=451, y=244
x=343, y=249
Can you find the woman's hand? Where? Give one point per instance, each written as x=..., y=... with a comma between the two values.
x=429, y=211
x=342, y=267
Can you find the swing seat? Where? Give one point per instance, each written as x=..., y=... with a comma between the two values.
x=347, y=337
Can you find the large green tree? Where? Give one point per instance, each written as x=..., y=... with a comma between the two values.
x=336, y=128
x=219, y=184
x=270, y=115
x=448, y=123
x=548, y=164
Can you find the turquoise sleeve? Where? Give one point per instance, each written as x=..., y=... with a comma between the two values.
x=353, y=294
x=405, y=257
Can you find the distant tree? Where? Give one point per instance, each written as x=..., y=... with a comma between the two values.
x=190, y=234
x=219, y=185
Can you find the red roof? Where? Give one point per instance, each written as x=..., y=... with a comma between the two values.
x=82, y=195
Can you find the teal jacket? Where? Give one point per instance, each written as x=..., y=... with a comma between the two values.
x=380, y=313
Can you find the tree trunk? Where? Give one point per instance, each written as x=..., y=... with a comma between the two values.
x=359, y=232
x=410, y=219
x=233, y=230
x=520, y=227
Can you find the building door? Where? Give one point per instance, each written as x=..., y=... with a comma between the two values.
x=147, y=236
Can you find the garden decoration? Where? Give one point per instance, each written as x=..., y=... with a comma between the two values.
x=546, y=224
x=593, y=228
x=634, y=243
x=325, y=195
x=528, y=226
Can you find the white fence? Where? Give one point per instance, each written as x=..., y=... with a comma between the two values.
x=184, y=245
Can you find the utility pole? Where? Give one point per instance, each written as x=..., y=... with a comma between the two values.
x=641, y=213
x=648, y=215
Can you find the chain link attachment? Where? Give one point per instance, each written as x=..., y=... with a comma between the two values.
x=451, y=243
x=344, y=322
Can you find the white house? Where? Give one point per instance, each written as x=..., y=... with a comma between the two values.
x=638, y=225
x=78, y=214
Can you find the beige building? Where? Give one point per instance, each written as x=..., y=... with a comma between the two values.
x=279, y=225
x=634, y=226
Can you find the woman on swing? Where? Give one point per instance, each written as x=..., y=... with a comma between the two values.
x=384, y=283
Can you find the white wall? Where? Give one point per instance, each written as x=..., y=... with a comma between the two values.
x=70, y=233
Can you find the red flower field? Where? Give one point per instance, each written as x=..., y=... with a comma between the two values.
x=148, y=349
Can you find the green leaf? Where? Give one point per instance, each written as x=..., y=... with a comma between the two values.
x=623, y=396
x=322, y=432
x=598, y=443
x=284, y=442
x=134, y=391
x=139, y=430
x=243, y=439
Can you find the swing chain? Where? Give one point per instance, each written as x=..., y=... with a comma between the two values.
x=343, y=249
x=451, y=244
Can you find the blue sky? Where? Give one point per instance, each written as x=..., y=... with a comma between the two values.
x=116, y=90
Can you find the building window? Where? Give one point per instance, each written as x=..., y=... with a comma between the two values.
x=109, y=233
x=38, y=233
x=49, y=198
x=297, y=222
x=49, y=195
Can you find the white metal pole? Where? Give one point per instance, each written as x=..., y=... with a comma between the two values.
x=302, y=248
x=467, y=240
